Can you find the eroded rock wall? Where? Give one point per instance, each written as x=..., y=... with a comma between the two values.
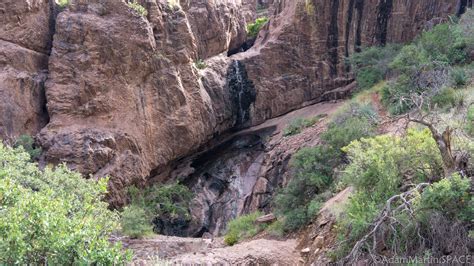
x=25, y=39
x=300, y=55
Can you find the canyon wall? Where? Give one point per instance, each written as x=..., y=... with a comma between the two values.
x=127, y=97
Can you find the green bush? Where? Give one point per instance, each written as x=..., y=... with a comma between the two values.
x=28, y=143
x=444, y=43
x=371, y=64
x=138, y=8
x=200, y=64
x=136, y=222
x=242, y=227
x=459, y=77
x=450, y=196
x=276, y=229
x=378, y=167
x=396, y=95
x=254, y=28
x=313, y=168
x=470, y=121
x=297, y=125
x=63, y=3
x=53, y=216
x=167, y=204
x=447, y=97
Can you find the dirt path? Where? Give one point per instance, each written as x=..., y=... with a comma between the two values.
x=166, y=250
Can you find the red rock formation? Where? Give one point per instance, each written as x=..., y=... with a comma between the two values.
x=25, y=39
x=125, y=98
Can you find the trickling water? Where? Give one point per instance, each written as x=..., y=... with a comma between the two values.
x=242, y=91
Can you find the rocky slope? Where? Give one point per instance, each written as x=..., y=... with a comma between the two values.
x=125, y=98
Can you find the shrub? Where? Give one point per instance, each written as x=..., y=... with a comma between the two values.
x=242, y=227
x=276, y=229
x=297, y=125
x=450, y=196
x=28, y=144
x=378, y=167
x=53, y=216
x=459, y=77
x=138, y=8
x=444, y=43
x=371, y=65
x=62, y=3
x=313, y=168
x=254, y=28
x=159, y=205
x=200, y=64
x=135, y=222
x=396, y=95
x=447, y=97
x=470, y=121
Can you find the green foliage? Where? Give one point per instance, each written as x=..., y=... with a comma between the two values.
x=254, y=28
x=28, y=144
x=53, y=216
x=378, y=167
x=450, y=196
x=62, y=3
x=276, y=229
x=200, y=64
x=138, y=8
x=165, y=203
x=135, y=222
x=242, y=227
x=313, y=168
x=297, y=125
x=371, y=65
x=470, y=121
x=447, y=97
x=444, y=43
x=459, y=77
x=421, y=66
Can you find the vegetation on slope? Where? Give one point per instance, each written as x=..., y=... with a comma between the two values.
x=412, y=191
x=53, y=216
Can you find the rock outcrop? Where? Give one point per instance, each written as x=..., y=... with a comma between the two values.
x=127, y=96
x=300, y=55
x=25, y=40
x=124, y=96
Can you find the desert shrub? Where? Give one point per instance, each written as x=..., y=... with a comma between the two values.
x=371, y=65
x=138, y=8
x=254, y=28
x=459, y=77
x=410, y=59
x=298, y=124
x=470, y=121
x=447, y=97
x=378, y=167
x=200, y=64
x=62, y=3
x=242, y=227
x=444, y=43
x=276, y=229
x=28, y=144
x=450, y=196
x=162, y=205
x=136, y=222
x=53, y=216
x=313, y=168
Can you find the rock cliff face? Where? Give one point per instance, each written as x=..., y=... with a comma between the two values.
x=301, y=52
x=126, y=98
x=25, y=41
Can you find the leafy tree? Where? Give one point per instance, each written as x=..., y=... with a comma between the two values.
x=53, y=216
